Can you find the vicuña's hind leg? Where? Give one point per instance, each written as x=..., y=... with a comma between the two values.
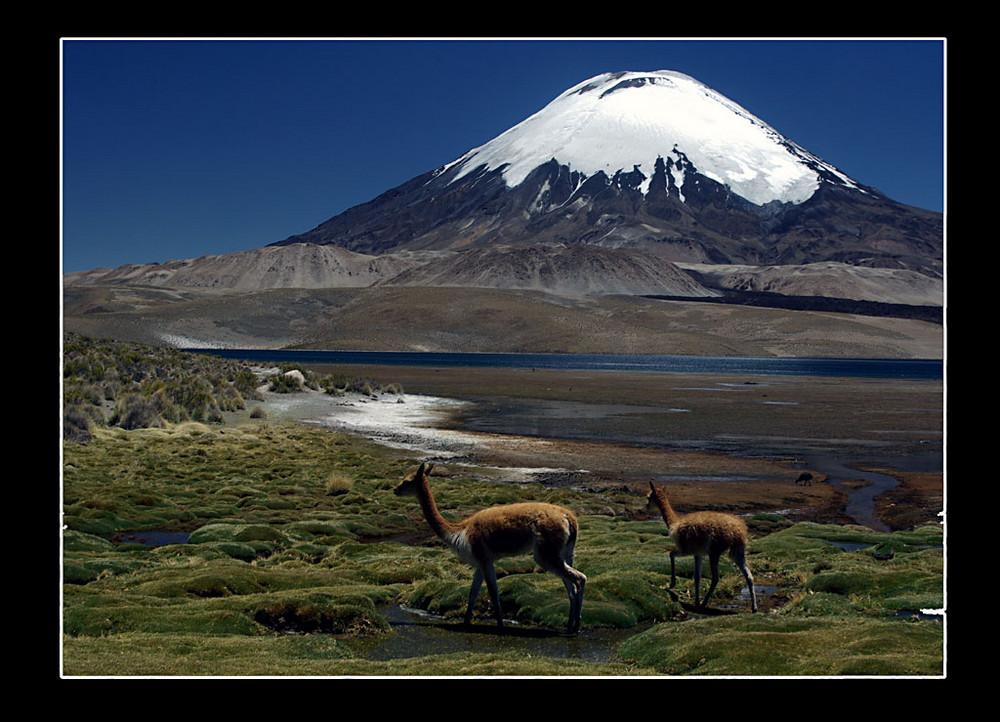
x=490, y=575
x=578, y=582
x=697, y=581
x=573, y=580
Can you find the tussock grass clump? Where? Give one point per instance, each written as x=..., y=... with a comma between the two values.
x=135, y=386
x=138, y=412
x=286, y=383
x=339, y=384
x=338, y=483
x=79, y=421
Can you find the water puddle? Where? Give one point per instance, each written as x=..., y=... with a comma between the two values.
x=418, y=634
x=743, y=598
x=934, y=615
x=850, y=546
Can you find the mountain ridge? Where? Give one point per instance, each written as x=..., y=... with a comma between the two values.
x=558, y=270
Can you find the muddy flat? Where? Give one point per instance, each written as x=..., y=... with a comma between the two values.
x=735, y=443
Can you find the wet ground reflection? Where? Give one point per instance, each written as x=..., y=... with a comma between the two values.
x=417, y=634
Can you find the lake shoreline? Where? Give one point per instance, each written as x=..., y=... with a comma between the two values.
x=847, y=367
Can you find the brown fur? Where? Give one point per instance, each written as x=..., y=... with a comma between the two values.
x=704, y=534
x=547, y=530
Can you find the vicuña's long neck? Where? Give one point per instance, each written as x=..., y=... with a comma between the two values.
x=669, y=515
x=441, y=526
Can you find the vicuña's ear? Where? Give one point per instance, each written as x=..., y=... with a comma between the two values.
x=652, y=487
x=429, y=470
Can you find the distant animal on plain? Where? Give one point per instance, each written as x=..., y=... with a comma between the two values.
x=805, y=478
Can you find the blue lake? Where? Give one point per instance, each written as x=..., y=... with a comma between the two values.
x=835, y=367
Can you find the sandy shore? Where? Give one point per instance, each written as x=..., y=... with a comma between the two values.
x=418, y=423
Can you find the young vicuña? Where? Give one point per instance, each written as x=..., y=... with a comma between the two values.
x=704, y=534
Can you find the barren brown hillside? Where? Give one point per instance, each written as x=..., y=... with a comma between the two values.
x=480, y=320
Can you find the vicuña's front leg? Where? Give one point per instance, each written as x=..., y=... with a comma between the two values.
x=477, y=583
x=673, y=574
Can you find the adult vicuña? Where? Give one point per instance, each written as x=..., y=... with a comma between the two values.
x=704, y=534
x=547, y=530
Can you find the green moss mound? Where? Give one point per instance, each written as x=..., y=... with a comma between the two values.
x=781, y=646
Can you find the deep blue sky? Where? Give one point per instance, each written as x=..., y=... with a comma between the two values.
x=180, y=148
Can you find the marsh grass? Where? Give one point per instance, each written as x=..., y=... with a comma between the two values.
x=780, y=645
x=279, y=575
x=146, y=654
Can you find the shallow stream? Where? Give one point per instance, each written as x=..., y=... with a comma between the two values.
x=861, y=497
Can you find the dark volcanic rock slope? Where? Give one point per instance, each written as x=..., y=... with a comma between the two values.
x=568, y=270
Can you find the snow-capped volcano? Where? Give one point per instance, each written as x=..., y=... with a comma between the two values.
x=655, y=161
x=625, y=121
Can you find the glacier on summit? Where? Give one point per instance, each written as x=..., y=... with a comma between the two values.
x=624, y=121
